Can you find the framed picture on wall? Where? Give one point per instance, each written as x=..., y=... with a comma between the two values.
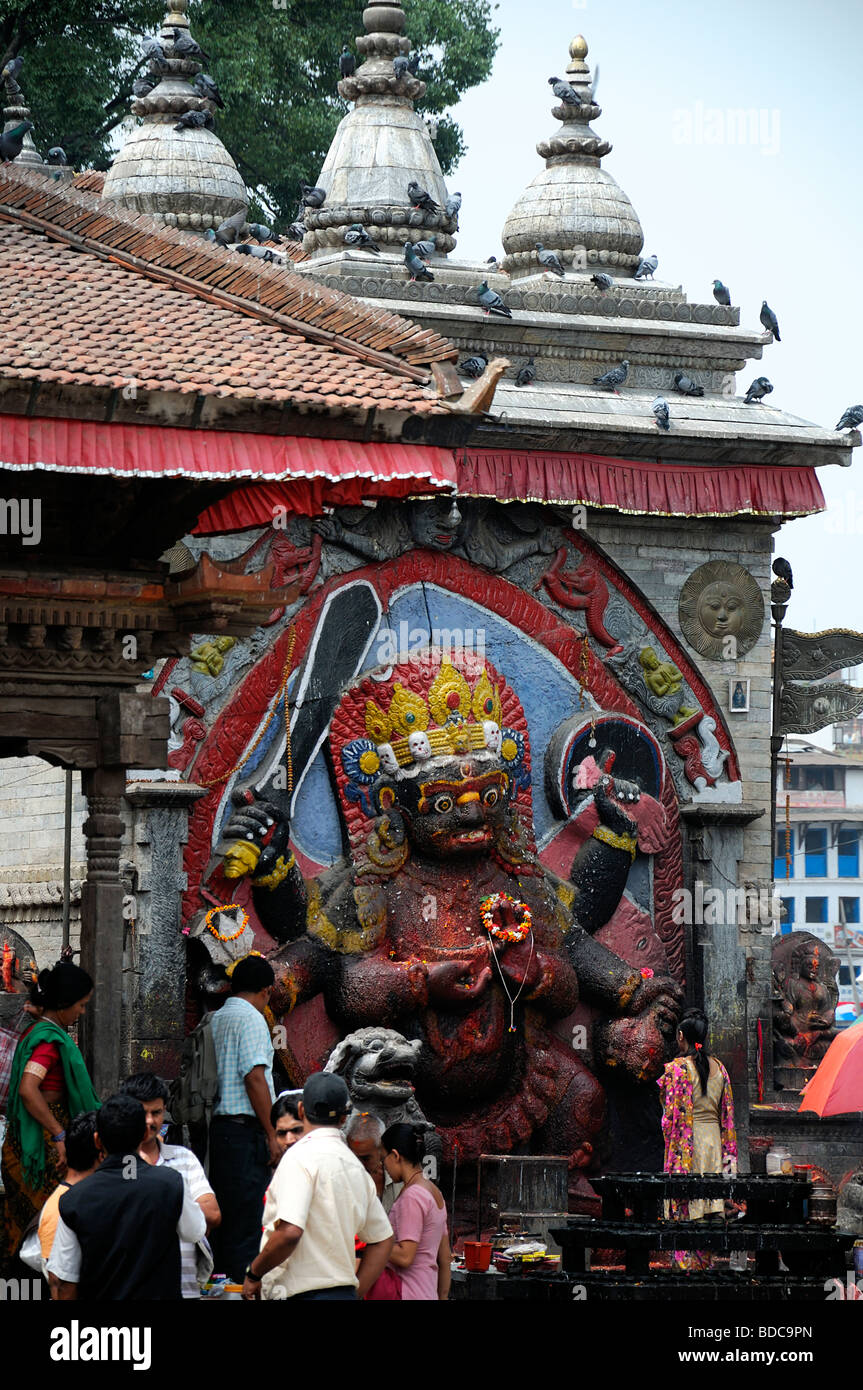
x=738, y=696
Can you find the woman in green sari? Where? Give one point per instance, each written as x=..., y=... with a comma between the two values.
x=48, y=1087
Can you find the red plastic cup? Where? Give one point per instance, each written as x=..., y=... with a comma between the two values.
x=477, y=1255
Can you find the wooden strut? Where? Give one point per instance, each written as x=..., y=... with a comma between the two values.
x=221, y=298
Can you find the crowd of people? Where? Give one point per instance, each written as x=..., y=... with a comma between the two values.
x=301, y=1198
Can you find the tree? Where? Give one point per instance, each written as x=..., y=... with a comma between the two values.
x=276, y=63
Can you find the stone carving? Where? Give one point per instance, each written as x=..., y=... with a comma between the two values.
x=432, y=762
x=719, y=601
x=805, y=708
x=809, y=655
x=19, y=971
x=582, y=588
x=379, y=1066
x=804, y=970
x=713, y=756
x=657, y=683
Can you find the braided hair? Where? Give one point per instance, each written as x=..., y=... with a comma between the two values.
x=693, y=1026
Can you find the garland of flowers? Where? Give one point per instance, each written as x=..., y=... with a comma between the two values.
x=227, y=936
x=514, y=934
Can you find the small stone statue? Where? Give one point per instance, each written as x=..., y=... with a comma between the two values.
x=804, y=1023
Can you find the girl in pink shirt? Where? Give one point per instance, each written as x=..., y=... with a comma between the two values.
x=421, y=1255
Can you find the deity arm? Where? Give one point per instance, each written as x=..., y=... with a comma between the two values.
x=281, y=900
x=603, y=978
x=372, y=989
x=557, y=988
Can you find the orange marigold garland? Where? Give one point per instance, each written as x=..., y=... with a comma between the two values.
x=514, y=934
x=227, y=936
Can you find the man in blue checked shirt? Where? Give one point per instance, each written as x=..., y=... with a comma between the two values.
x=243, y=1147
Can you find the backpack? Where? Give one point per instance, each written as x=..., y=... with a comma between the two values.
x=196, y=1090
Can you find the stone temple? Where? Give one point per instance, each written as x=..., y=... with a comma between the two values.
x=398, y=605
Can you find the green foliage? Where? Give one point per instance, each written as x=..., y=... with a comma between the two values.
x=276, y=64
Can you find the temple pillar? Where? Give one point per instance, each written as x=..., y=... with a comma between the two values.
x=155, y=979
x=102, y=926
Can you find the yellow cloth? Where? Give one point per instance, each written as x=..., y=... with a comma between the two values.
x=706, y=1135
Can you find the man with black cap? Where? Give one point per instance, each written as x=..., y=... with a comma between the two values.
x=320, y=1199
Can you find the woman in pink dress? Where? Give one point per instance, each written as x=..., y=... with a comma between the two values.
x=421, y=1255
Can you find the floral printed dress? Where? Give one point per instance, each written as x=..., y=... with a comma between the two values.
x=699, y=1138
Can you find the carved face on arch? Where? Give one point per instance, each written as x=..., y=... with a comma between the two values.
x=453, y=809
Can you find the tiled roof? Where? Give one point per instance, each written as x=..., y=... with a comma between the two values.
x=101, y=297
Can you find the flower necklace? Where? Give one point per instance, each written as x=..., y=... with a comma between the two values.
x=227, y=936
x=515, y=935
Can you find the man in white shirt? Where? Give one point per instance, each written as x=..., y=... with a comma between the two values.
x=119, y=1230
x=152, y=1092
x=319, y=1202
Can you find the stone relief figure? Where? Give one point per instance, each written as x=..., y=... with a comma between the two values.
x=721, y=610
x=379, y=1066
x=442, y=924
x=805, y=971
x=666, y=682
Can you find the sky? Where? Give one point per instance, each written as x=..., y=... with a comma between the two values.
x=779, y=217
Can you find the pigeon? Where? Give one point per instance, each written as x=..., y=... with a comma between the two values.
x=260, y=231
x=420, y=199
x=660, y=410
x=196, y=120
x=616, y=377
x=492, y=263
x=296, y=231
x=400, y=66
x=347, y=62
x=453, y=207
x=852, y=418
x=143, y=86
x=186, y=47
x=549, y=261
x=206, y=87
x=721, y=293
x=418, y=269
x=783, y=570
x=12, y=69
x=356, y=235
x=245, y=248
x=562, y=90
x=229, y=230
x=12, y=141
x=312, y=197
x=685, y=386
x=760, y=388
x=474, y=366
x=425, y=248
x=414, y=64
x=527, y=375
x=154, y=50
x=646, y=268
x=602, y=281
x=770, y=321
x=57, y=155
x=491, y=302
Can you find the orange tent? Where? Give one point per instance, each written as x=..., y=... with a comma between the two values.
x=837, y=1086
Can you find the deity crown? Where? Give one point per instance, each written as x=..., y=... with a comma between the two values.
x=453, y=718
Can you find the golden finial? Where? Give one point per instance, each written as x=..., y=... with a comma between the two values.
x=578, y=48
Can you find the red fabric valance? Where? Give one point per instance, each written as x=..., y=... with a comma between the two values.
x=639, y=487
x=310, y=473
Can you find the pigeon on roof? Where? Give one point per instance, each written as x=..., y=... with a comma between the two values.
x=453, y=206
x=206, y=87
x=491, y=302
x=662, y=413
x=425, y=248
x=419, y=198
x=260, y=231
x=347, y=62
x=356, y=235
x=770, y=321
x=685, y=386
x=418, y=269
x=549, y=261
x=760, y=388
x=229, y=231
x=312, y=197
x=473, y=366
x=721, y=293
x=852, y=417
x=614, y=378
x=602, y=281
x=196, y=120
x=186, y=47
x=12, y=141
x=527, y=375
x=647, y=268
x=400, y=66
x=564, y=92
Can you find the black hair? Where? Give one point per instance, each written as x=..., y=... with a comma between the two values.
x=146, y=1087
x=693, y=1026
x=64, y=984
x=81, y=1151
x=407, y=1140
x=122, y=1124
x=251, y=975
x=285, y=1105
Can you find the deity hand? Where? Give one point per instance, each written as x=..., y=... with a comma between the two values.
x=611, y=813
x=661, y=995
x=246, y=835
x=457, y=982
x=520, y=963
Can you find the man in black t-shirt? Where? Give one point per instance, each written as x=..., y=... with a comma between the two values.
x=119, y=1231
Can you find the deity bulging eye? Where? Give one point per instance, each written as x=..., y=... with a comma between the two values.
x=375, y=1045
x=443, y=804
x=491, y=797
